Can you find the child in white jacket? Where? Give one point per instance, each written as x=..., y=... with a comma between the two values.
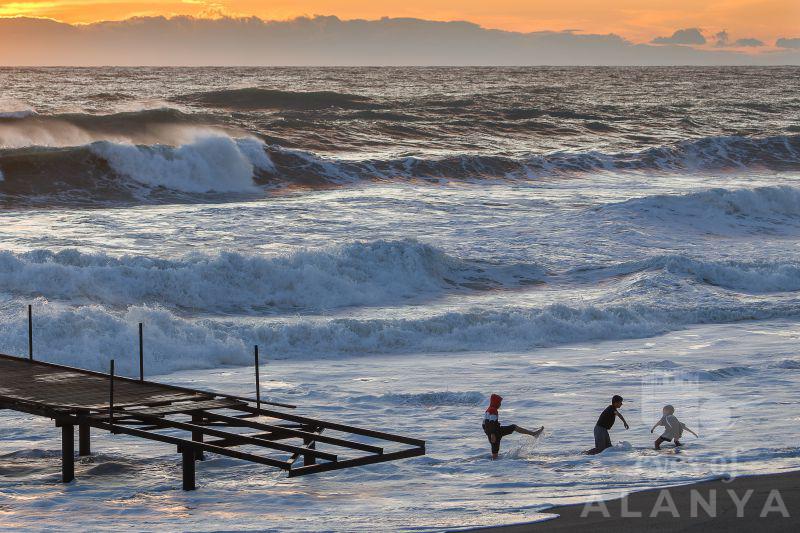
x=673, y=428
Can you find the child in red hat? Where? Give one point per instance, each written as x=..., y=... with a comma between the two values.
x=494, y=431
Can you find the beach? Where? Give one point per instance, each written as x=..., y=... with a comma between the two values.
x=761, y=510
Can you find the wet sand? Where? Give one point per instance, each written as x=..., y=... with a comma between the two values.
x=762, y=511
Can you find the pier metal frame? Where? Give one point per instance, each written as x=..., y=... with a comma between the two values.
x=195, y=421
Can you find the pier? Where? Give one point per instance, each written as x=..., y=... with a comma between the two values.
x=194, y=421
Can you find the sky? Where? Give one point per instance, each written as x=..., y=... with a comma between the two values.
x=636, y=20
x=629, y=31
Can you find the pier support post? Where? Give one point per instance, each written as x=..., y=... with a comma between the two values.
x=84, y=440
x=67, y=453
x=197, y=436
x=188, y=467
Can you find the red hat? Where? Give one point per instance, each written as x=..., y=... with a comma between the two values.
x=494, y=403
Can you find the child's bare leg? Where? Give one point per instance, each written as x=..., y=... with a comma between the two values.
x=659, y=440
x=536, y=433
x=677, y=443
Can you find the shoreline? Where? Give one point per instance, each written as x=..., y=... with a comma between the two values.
x=761, y=500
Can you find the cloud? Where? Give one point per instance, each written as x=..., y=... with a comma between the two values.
x=226, y=41
x=684, y=36
x=788, y=42
x=723, y=40
x=748, y=42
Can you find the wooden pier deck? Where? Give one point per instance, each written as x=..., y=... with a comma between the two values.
x=194, y=421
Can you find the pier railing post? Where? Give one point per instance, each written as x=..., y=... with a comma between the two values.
x=141, y=353
x=111, y=395
x=30, y=332
x=258, y=381
x=67, y=452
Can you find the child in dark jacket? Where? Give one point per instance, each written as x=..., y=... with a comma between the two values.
x=494, y=431
x=602, y=440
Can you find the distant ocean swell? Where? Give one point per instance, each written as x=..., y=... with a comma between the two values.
x=254, y=98
x=219, y=163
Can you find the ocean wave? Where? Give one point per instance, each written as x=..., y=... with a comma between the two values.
x=108, y=172
x=717, y=374
x=362, y=273
x=715, y=210
x=254, y=98
x=760, y=201
x=705, y=154
x=165, y=125
x=14, y=109
x=209, y=164
x=20, y=113
x=753, y=277
x=118, y=121
x=787, y=364
x=89, y=336
x=216, y=161
x=426, y=399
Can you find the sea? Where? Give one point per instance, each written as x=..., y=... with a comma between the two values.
x=401, y=243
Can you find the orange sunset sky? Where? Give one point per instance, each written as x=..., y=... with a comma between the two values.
x=637, y=20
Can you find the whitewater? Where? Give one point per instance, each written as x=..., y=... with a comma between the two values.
x=400, y=251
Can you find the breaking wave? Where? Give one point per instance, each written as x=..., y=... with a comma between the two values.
x=368, y=273
x=215, y=162
x=254, y=98
x=107, y=171
x=87, y=336
x=210, y=164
